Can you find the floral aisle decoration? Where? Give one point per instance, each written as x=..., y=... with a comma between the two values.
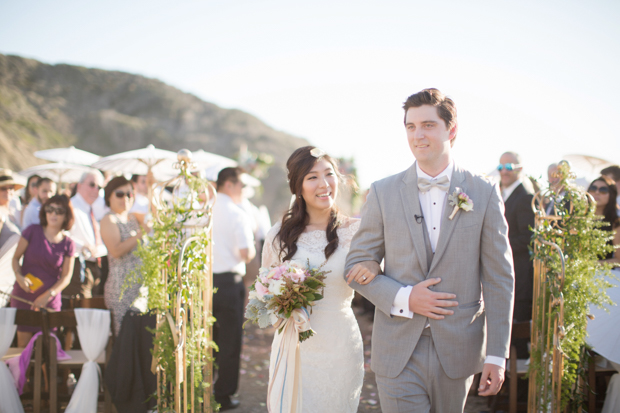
x=576, y=229
x=169, y=289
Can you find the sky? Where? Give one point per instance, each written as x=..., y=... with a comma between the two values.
x=536, y=77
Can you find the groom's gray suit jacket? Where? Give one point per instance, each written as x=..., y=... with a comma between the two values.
x=472, y=255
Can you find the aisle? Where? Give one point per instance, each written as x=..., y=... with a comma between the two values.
x=255, y=372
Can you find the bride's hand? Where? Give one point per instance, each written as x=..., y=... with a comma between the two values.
x=363, y=272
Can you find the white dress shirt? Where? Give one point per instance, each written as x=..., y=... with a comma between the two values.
x=508, y=191
x=433, y=204
x=82, y=232
x=232, y=232
x=31, y=213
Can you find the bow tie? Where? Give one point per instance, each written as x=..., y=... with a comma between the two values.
x=443, y=183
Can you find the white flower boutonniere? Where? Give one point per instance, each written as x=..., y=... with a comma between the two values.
x=460, y=200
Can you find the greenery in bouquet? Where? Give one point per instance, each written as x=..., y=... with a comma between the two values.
x=282, y=289
x=583, y=243
x=159, y=257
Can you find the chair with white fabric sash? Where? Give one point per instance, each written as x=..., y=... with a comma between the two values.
x=94, y=330
x=9, y=319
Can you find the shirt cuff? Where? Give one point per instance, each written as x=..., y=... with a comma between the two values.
x=400, y=307
x=498, y=361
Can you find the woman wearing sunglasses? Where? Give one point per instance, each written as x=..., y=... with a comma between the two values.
x=604, y=192
x=121, y=233
x=48, y=261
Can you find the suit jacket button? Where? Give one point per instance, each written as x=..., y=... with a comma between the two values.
x=401, y=310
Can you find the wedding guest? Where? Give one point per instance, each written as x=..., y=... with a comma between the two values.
x=46, y=188
x=233, y=247
x=8, y=185
x=48, y=254
x=604, y=191
x=517, y=193
x=141, y=201
x=553, y=177
x=613, y=173
x=31, y=189
x=9, y=237
x=87, y=236
x=121, y=234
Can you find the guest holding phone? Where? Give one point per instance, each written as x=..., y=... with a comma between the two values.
x=48, y=261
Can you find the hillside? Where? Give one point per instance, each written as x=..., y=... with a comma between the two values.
x=45, y=106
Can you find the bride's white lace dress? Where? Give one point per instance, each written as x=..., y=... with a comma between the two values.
x=332, y=360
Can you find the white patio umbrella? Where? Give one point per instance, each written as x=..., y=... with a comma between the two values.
x=68, y=155
x=590, y=165
x=59, y=172
x=140, y=162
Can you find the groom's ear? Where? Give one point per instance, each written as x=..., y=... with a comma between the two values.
x=453, y=132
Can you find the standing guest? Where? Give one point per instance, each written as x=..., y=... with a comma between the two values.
x=7, y=194
x=30, y=191
x=613, y=173
x=86, y=234
x=553, y=177
x=141, y=190
x=233, y=247
x=48, y=254
x=517, y=194
x=46, y=188
x=9, y=237
x=121, y=233
x=604, y=191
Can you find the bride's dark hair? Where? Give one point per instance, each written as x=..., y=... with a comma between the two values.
x=296, y=219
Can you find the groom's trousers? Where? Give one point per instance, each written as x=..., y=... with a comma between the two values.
x=423, y=386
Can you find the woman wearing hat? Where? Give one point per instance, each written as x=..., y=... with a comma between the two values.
x=7, y=193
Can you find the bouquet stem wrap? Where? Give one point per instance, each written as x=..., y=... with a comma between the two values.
x=285, y=367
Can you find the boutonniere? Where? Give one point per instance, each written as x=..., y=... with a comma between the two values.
x=460, y=200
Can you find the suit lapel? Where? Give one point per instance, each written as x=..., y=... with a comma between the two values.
x=411, y=206
x=447, y=225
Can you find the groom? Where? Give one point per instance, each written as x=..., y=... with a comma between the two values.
x=444, y=304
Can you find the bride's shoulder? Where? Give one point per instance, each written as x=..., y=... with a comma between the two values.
x=273, y=232
x=350, y=224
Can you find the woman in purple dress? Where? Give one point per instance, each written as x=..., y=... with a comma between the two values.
x=48, y=255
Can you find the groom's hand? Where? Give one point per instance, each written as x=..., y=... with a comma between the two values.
x=491, y=380
x=428, y=303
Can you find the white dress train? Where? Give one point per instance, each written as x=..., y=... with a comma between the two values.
x=332, y=361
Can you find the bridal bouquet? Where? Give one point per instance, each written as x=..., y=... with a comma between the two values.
x=285, y=293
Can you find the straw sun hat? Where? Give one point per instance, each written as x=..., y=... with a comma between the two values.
x=6, y=179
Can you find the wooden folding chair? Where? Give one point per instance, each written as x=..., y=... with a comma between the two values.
x=66, y=318
x=515, y=370
x=33, y=319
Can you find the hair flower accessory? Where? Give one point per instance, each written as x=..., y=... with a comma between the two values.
x=318, y=152
x=460, y=200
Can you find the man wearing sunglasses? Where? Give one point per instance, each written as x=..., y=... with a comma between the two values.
x=517, y=193
x=46, y=188
x=87, y=237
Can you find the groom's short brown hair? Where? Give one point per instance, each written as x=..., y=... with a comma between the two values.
x=446, y=109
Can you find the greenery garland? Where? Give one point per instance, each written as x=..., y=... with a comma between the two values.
x=160, y=254
x=578, y=234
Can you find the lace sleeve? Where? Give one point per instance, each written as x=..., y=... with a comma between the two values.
x=346, y=234
x=270, y=249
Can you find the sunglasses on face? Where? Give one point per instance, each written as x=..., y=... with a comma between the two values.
x=121, y=194
x=55, y=210
x=94, y=185
x=508, y=166
x=6, y=188
x=600, y=189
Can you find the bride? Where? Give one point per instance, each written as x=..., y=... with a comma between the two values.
x=332, y=361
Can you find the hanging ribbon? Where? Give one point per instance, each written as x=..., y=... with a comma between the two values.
x=284, y=392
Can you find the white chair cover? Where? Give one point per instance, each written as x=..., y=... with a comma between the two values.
x=612, y=398
x=93, y=328
x=8, y=392
x=7, y=276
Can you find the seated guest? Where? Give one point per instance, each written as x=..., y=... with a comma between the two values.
x=604, y=192
x=121, y=233
x=46, y=188
x=48, y=256
x=8, y=208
